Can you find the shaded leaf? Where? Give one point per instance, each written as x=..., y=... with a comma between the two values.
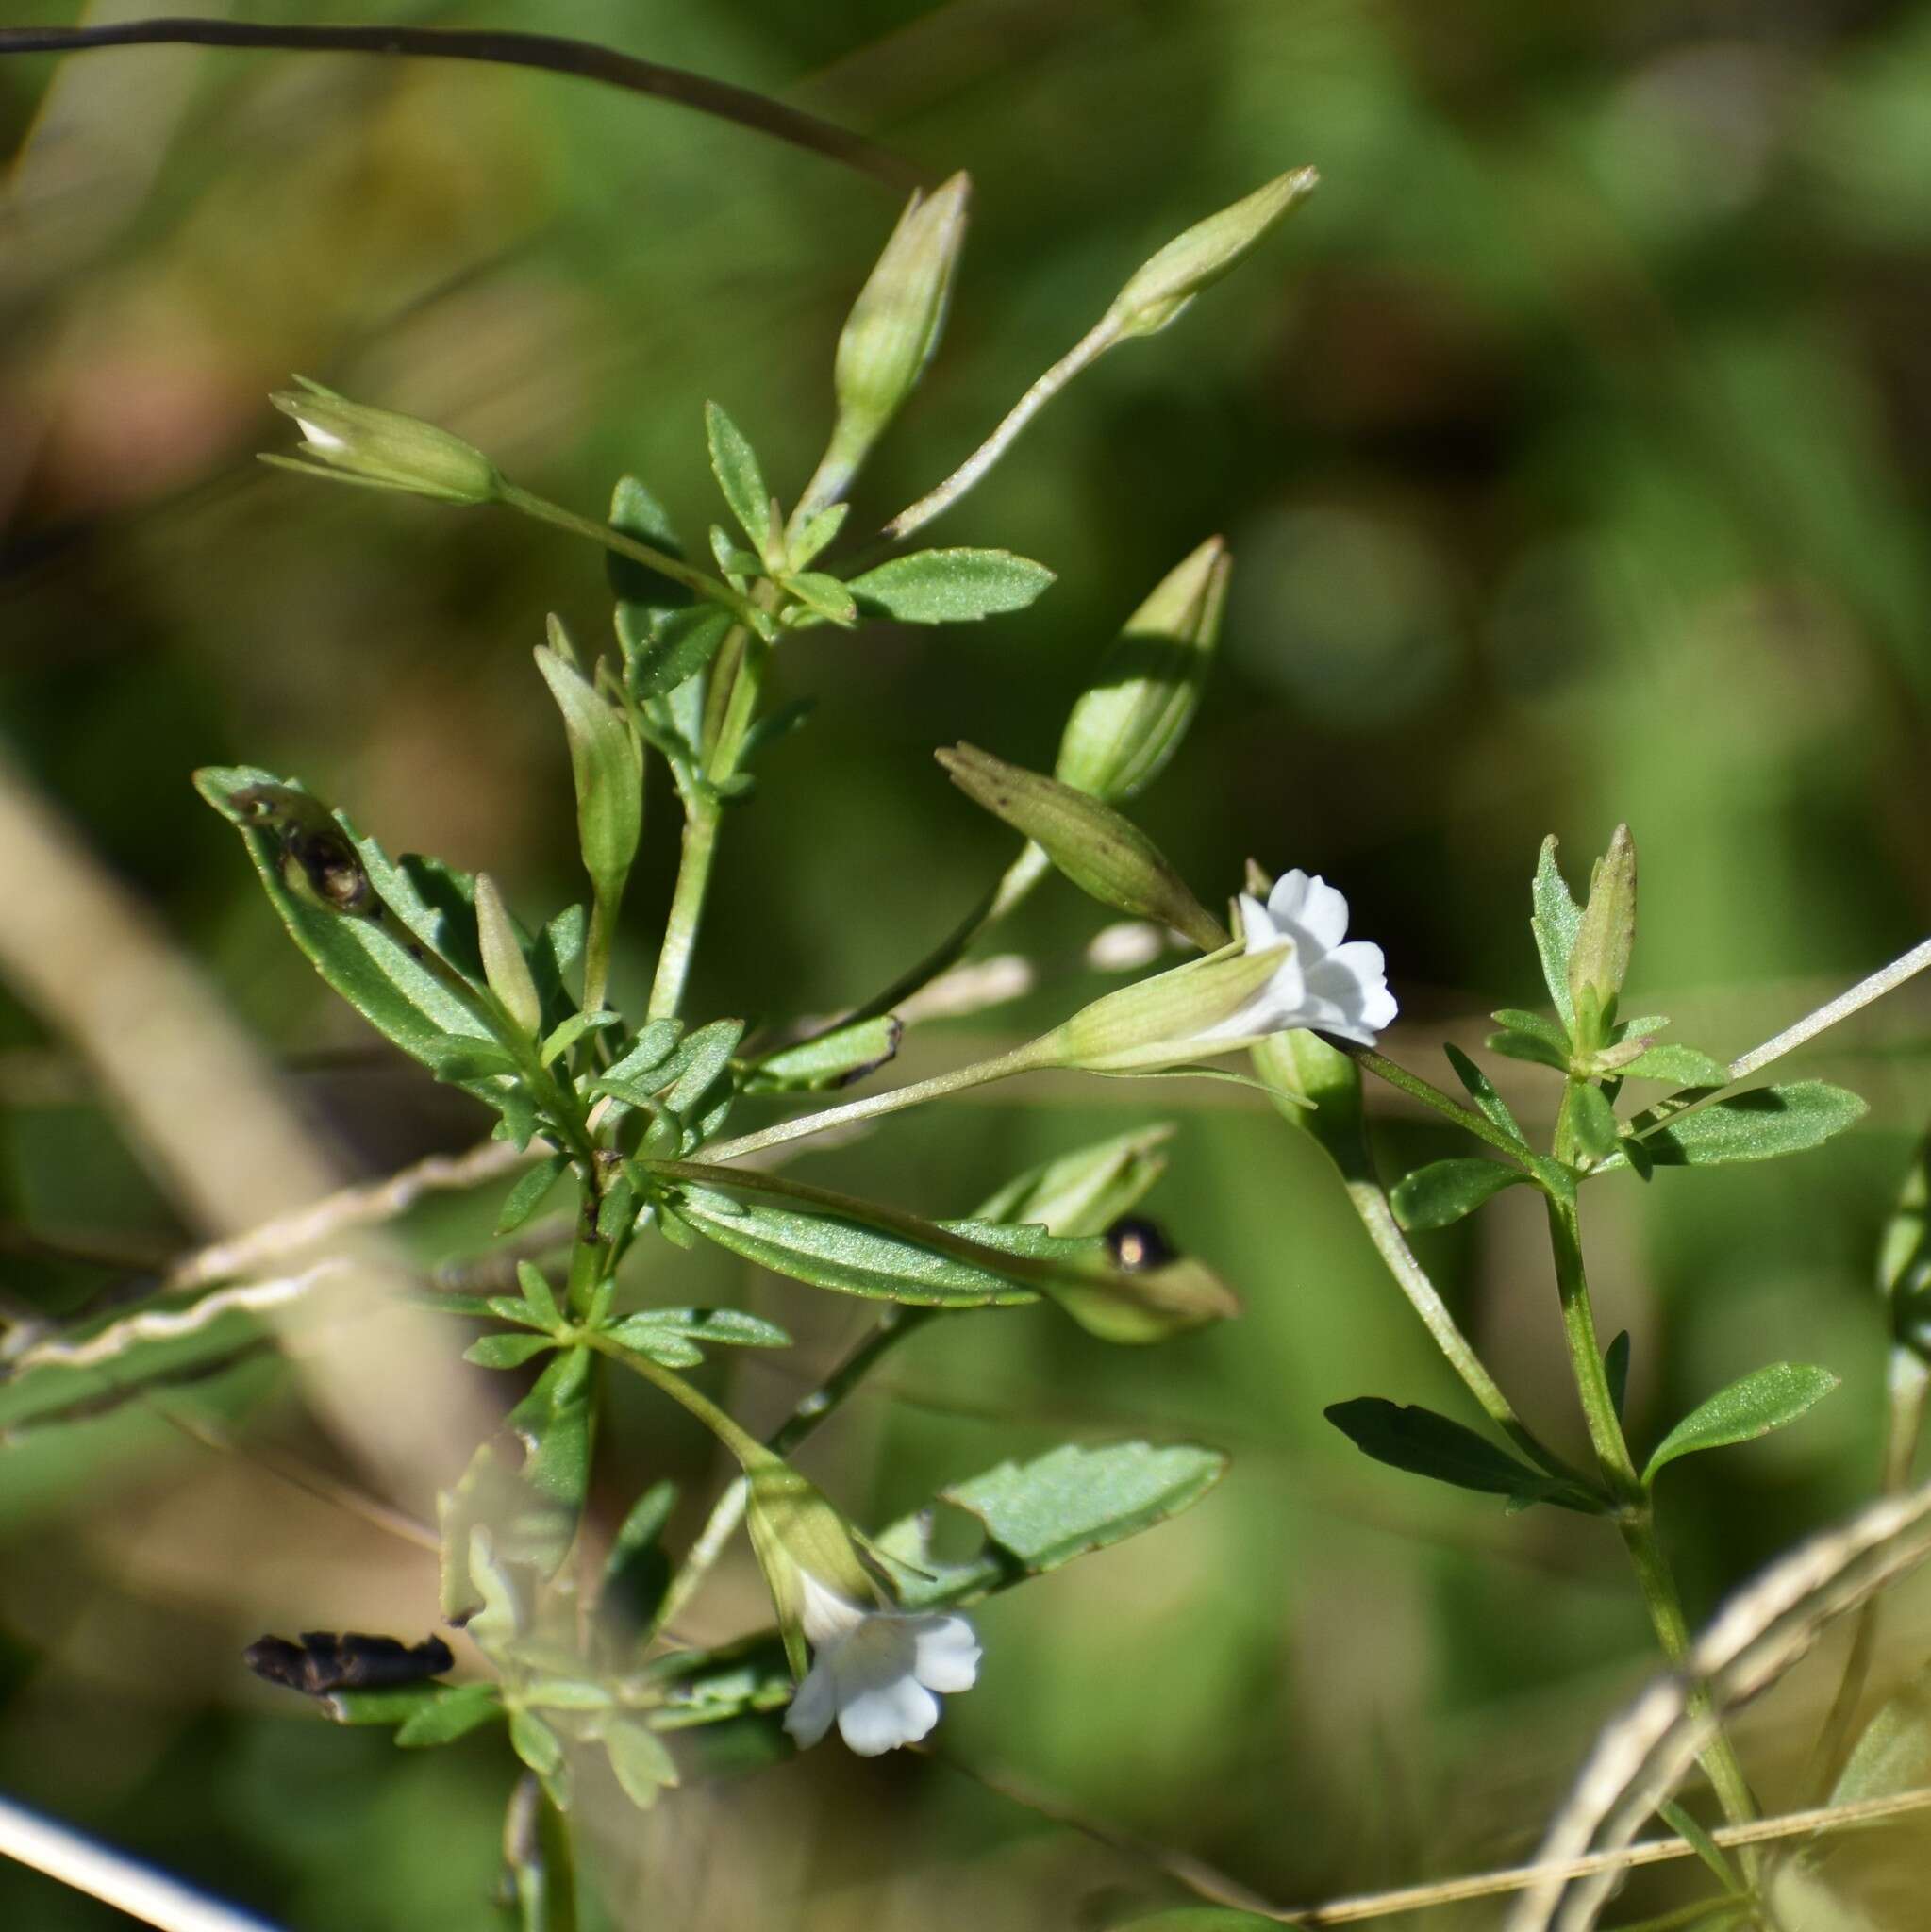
x=1893, y=1751
x=682, y=645
x=1616, y=1370
x=1424, y=1443
x=1444, y=1191
x=460, y=1709
x=637, y=1571
x=836, y=1058
x=1592, y=1118
x=734, y=463
x=529, y=1193
x=1764, y=1400
x=1528, y=1046
x=638, y=1757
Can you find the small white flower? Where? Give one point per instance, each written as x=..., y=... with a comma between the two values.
x=1328, y=982
x=875, y=1671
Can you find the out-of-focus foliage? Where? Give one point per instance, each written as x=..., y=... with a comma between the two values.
x=1571, y=448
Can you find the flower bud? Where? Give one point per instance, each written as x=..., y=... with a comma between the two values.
x=1600, y=959
x=504, y=965
x=1174, y=1017
x=355, y=443
x=1101, y=853
x=894, y=325
x=1204, y=253
x=1127, y=723
x=795, y=1532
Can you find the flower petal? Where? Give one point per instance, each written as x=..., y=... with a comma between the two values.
x=1313, y=910
x=900, y=1712
x=946, y=1653
x=813, y=1706
x=826, y=1615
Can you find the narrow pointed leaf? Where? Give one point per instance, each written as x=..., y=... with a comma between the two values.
x=1443, y=1192
x=1555, y=922
x=1424, y=1443
x=949, y=586
x=734, y=463
x=1481, y=1090
x=1682, y=1066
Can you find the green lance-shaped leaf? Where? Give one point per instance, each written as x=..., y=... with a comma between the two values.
x=734, y=463
x=637, y=1571
x=1040, y=1514
x=837, y=1058
x=369, y=960
x=1893, y=1751
x=1681, y=1066
x=1763, y=1400
x=1758, y=1125
x=821, y=595
x=640, y=1760
x=1086, y=1191
x=675, y=1337
x=529, y=1193
x=1424, y=1443
x=949, y=586
x=1599, y=960
x=504, y=965
x=1555, y=922
x=859, y=1247
x=1591, y=1119
x=1481, y=1090
x=1444, y=1191
x=1130, y=720
x=554, y=1421
x=1104, y=854
x=1159, y=290
x=454, y=1713
x=608, y=773
x=644, y=597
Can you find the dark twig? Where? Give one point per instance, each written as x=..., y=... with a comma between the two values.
x=551, y=53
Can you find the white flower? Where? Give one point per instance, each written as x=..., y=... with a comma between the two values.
x=875, y=1671
x=322, y=439
x=1326, y=982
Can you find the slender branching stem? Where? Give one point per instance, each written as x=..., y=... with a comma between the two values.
x=1445, y=1105
x=1085, y=352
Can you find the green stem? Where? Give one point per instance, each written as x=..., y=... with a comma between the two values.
x=1634, y=1514
x=728, y=1513
x=1434, y=1098
x=1021, y=1059
x=740, y=1441
x=687, y=909
x=710, y=587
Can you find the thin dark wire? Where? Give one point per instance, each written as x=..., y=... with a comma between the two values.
x=551, y=53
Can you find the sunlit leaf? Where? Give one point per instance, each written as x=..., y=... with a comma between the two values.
x=1444, y=1191
x=1764, y=1400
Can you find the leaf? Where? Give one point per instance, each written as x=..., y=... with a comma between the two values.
x=529, y=1193
x=1424, y=1443
x=673, y=1336
x=1555, y=922
x=823, y=595
x=683, y=644
x=1682, y=1066
x=540, y=1298
x=1763, y=1400
x=949, y=586
x=521, y=1525
x=700, y=1057
x=459, y=1710
x=642, y=596
x=1758, y=1125
x=836, y=1058
x=553, y=1421
x=734, y=463
x=847, y=1255
x=1086, y=1191
x=1592, y=1118
x=637, y=1571
x=1616, y=1370
x=817, y=534
x=1528, y=1046
x=368, y=960
x=1686, y=1827
x=638, y=1757
x=1075, y=1499
x=1893, y=1752
x=507, y=1351
x=1537, y=1026
x=536, y=1743
x=1444, y=1191
x=1481, y=1090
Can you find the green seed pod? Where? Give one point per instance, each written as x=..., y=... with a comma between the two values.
x=1159, y=291
x=352, y=443
x=504, y=965
x=1187, y=1013
x=1129, y=721
x=1101, y=853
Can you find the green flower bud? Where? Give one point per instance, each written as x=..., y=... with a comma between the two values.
x=1190, y=1012
x=381, y=450
x=795, y=1532
x=1203, y=254
x=504, y=965
x=1128, y=722
x=1101, y=853
x=895, y=323
x=1600, y=959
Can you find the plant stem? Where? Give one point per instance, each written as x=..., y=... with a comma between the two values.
x=979, y=1074
x=1634, y=1514
x=707, y=587
x=1450, y=1109
x=687, y=909
x=1089, y=349
x=728, y=1513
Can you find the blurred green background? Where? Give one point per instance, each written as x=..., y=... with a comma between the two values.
x=1572, y=448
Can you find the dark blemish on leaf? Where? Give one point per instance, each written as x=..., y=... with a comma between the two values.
x=325, y=1660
